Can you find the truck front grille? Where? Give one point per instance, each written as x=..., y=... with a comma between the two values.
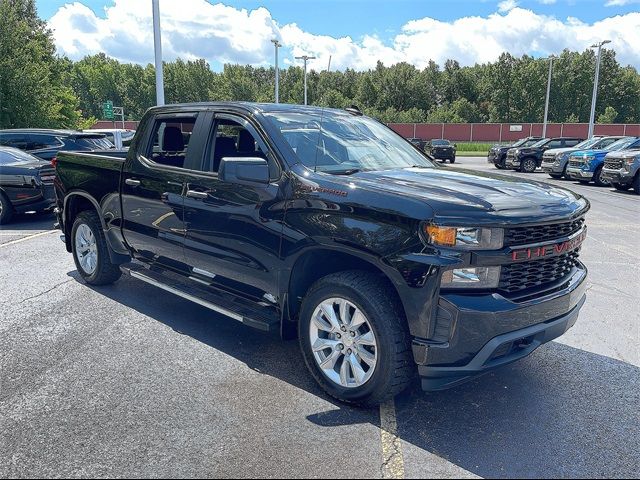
x=522, y=276
x=575, y=162
x=541, y=233
x=613, y=163
x=548, y=158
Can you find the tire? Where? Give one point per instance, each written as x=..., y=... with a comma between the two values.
x=499, y=166
x=95, y=265
x=528, y=165
x=620, y=187
x=555, y=175
x=597, y=178
x=393, y=368
x=585, y=182
x=452, y=160
x=6, y=209
x=636, y=184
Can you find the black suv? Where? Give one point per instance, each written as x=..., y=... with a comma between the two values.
x=498, y=153
x=45, y=143
x=441, y=149
x=527, y=159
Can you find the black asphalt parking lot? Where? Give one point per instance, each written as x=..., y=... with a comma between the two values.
x=128, y=381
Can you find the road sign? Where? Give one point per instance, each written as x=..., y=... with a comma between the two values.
x=107, y=110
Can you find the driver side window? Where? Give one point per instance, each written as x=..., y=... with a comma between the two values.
x=237, y=139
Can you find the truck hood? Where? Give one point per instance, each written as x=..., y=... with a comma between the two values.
x=556, y=151
x=624, y=154
x=587, y=153
x=457, y=196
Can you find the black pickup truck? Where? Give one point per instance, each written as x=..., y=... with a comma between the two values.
x=327, y=226
x=527, y=159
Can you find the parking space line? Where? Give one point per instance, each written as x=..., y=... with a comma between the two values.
x=13, y=242
x=392, y=459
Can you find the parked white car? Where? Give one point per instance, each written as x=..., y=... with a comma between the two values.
x=121, y=138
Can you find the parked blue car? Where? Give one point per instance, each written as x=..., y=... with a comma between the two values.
x=586, y=165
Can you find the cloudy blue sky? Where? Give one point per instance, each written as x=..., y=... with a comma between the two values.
x=356, y=33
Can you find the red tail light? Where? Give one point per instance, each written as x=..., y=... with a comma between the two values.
x=54, y=162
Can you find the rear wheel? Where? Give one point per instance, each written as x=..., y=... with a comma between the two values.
x=354, y=338
x=597, y=178
x=529, y=165
x=6, y=209
x=91, y=252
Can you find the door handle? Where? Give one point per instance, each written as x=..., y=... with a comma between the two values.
x=132, y=182
x=197, y=194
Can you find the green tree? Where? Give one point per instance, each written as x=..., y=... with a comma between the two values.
x=609, y=116
x=33, y=92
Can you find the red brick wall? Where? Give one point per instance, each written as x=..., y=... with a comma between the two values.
x=501, y=132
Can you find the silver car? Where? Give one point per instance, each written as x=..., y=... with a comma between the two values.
x=622, y=170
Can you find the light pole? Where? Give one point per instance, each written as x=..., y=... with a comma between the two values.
x=595, y=85
x=546, y=103
x=157, y=44
x=277, y=45
x=306, y=58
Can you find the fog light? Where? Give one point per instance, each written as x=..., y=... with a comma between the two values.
x=471, y=277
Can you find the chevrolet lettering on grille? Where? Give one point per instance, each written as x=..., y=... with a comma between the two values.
x=550, y=250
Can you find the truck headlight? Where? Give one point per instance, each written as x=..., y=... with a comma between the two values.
x=471, y=277
x=466, y=238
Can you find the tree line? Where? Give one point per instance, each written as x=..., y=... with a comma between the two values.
x=41, y=89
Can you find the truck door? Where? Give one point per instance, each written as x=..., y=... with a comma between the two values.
x=234, y=230
x=153, y=182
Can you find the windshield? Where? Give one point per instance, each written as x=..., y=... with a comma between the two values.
x=440, y=142
x=540, y=143
x=622, y=144
x=13, y=156
x=588, y=143
x=346, y=143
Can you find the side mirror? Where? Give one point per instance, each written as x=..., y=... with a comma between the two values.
x=244, y=170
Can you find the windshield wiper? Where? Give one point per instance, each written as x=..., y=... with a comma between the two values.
x=348, y=171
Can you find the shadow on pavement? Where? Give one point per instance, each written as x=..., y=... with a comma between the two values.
x=563, y=412
x=31, y=222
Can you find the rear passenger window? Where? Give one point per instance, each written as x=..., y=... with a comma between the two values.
x=15, y=140
x=39, y=142
x=572, y=143
x=170, y=141
x=554, y=144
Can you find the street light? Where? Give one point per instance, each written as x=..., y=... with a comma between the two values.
x=277, y=45
x=305, y=58
x=157, y=44
x=595, y=85
x=546, y=103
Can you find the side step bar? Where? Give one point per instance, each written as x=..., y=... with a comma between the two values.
x=263, y=318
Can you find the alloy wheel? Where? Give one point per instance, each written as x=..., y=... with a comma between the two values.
x=86, y=249
x=343, y=343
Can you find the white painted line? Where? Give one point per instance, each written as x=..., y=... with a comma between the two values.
x=13, y=242
x=392, y=459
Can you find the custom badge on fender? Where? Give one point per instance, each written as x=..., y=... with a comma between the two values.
x=550, y=250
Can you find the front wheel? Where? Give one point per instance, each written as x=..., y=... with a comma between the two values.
x=636, y=184
x=597, y=178
x=529, y=165
x=91, y=252
x=354, y=338
x=452, y=160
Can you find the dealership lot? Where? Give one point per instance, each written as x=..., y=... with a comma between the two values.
x=127, y=380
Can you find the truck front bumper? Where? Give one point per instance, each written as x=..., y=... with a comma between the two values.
x=620, y=177
x=489, y=331
x=555, y=167
x=579, y=174
x=513, y=163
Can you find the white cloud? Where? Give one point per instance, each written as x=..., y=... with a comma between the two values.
x=507, y=5
x=547, y=2
x=197, y=29
x=620, y=3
